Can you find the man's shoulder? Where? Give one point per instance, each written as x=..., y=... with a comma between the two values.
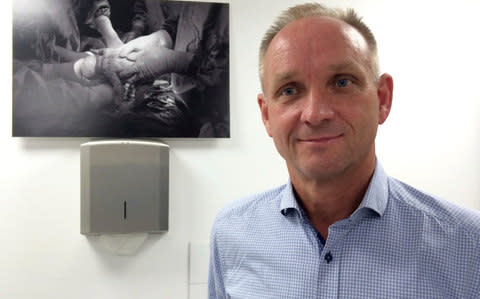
x=442, y=211
x=251, y=205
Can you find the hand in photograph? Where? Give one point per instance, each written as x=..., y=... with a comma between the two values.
x=133, y=48
x=153, y=62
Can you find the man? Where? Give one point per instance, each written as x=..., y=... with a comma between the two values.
x=340, y=228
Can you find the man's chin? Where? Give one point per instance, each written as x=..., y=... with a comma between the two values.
x=321, y=169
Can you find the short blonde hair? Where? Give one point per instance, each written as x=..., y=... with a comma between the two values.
x=301, y=11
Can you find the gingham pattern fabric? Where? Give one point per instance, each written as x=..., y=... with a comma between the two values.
x=399, y=243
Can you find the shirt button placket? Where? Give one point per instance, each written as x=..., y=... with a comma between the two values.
x=330, y=265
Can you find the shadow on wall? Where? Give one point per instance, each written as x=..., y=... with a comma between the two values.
x=41, y=143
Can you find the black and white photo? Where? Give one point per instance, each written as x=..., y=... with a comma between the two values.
x=120, y=68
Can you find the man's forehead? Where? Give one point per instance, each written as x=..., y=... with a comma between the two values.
x=317, y=31
x=314, y=21
x=330, y=42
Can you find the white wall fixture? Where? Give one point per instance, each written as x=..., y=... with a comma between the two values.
x=198, y=269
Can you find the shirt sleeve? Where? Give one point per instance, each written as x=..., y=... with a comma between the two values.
x=216, y=287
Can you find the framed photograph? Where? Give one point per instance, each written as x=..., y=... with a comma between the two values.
x=120, y=68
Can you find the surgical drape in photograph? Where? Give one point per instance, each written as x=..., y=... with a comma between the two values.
x=120, y=68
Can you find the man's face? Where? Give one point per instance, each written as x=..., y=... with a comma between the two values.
x=321, y=103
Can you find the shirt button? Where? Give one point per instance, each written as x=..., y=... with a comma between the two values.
x=328, y=257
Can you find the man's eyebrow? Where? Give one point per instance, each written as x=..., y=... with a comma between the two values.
x=282, y=77
x=343, y=66
x=337, y=67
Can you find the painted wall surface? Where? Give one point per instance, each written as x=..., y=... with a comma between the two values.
x=431, y=140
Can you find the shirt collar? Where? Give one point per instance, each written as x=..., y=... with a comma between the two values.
x=288, y=200
x=375, y=198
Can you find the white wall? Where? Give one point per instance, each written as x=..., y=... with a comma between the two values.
x=431, y=140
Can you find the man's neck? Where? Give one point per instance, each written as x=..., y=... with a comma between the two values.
x=328, y=201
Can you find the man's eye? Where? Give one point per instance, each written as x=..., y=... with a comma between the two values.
x=289, y=91
x=342, y=82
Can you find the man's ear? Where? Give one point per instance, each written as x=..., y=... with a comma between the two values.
x=385, y=95
x=264, y=111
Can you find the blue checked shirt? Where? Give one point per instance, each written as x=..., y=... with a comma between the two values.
x=399, y=243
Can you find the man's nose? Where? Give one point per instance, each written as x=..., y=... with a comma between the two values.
x=317, y=108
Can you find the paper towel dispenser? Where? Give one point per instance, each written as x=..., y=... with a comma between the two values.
x=124, y=187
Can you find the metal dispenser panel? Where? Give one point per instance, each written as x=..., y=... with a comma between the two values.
x=124, y=187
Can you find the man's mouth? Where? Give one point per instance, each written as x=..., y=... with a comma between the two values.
x=321, y=139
